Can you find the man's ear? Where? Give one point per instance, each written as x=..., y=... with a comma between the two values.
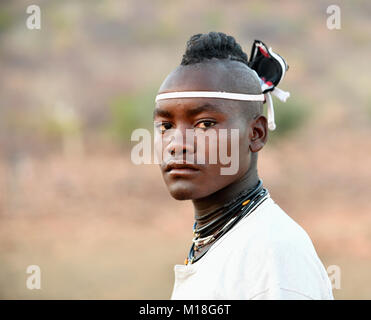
x=258, y=133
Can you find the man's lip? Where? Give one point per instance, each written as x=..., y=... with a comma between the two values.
x=179, y=166
x=183, y=172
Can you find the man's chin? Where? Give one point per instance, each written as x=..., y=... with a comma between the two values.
x=180, y=194
x=187, y=192
x=181, y=189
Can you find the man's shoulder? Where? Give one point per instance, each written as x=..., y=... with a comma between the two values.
x=271, y=226
x=268, y=234
x=273, y=251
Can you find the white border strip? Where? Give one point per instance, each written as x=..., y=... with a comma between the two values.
x=210, y=94
x=280, y=60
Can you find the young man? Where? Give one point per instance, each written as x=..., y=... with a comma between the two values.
x=245, y=246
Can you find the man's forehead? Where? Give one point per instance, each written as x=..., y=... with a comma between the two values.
x=193, y=106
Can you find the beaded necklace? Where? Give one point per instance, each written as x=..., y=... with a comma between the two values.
x=233, y=212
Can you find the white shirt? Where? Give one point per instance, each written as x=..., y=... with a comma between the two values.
x=266, y=255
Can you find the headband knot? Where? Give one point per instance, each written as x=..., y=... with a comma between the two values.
x=270, y=68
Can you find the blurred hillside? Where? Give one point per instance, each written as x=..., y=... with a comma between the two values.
x=71, y=93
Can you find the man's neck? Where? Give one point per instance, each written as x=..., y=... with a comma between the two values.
x=216, y=200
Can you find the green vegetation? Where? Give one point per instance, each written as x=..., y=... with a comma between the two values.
x=5, y=19
x=289, y=116
x=59, y=121
x=129, y=112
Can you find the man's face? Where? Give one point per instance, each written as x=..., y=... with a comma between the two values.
x=173, y=118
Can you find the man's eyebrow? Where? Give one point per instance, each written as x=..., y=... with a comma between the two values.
x=162, y=113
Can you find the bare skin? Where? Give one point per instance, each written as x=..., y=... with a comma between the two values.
x=203, y=183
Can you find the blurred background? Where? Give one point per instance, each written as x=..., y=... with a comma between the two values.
x=71, y=93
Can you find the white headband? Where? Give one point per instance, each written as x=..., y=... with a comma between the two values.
x=280, y=94
x=210, y=94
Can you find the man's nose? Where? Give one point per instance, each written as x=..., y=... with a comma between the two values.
x=179, y=145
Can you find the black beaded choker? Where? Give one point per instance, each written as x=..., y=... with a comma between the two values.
x=232, y=212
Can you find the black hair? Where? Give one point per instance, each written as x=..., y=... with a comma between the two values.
x=212, y=45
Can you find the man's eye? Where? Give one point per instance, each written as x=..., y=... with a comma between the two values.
x=164, y=126
x=205, y=124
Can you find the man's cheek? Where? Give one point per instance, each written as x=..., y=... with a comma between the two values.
x=229, y=150
x=206, y=146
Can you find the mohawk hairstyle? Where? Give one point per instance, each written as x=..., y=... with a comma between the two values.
x=212, y=45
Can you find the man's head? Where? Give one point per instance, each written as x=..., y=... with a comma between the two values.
x=212, y=62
